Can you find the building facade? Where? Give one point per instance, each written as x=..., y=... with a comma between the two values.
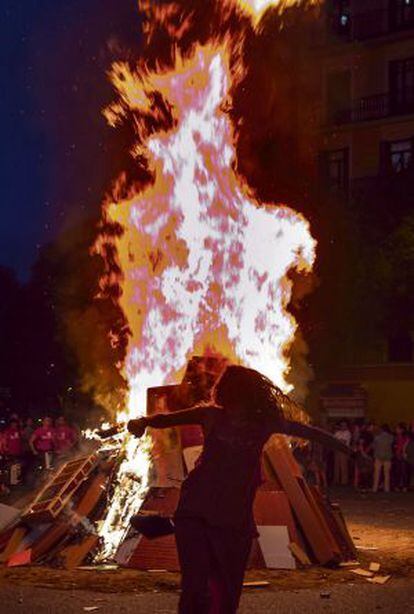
x=366, y=139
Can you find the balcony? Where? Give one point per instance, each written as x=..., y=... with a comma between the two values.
x=373, y=23
x=378, y=106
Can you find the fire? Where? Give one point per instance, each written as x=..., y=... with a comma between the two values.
x=204, y=265
x=257, y=7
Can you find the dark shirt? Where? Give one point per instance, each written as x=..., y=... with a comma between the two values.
x=222, y=487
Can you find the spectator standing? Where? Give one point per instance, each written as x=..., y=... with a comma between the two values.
x=383, y=443
x=356, y=435
x=409, y=457
x=343, y=434
x=4, y=470
x=42, y=441
x=28, y=429
x=363, y=466
x=367, y=434
x=14, y=449
x=64, y=436
x=13, y=440
x=2, y=442
x=400, y=462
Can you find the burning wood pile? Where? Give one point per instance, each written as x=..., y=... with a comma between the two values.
x=196, y=263
x=62, y=526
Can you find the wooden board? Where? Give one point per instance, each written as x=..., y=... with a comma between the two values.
x=160, y=553
x=73, y=555
x=288, y=473
x=337, y=513
x=51, y=500
x=13, y=543
x=320, y=513
x=59, y=530
x=271, y=507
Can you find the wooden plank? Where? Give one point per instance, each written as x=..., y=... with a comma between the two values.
x=5, y=535
x=272, y=508
x=340, y=520
x=299, y=554
x=304, y=512
x=85, y=506
x=160, y=553
x=320, y=513
x=73, y=555
x=13, y=543
x=56, y=493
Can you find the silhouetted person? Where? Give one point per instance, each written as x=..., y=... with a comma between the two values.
x=214, y=523
x=383, y=442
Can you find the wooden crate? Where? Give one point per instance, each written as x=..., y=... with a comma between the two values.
x=59, y=489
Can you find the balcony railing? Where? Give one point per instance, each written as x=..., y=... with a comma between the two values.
x=378, y=106
x=371, y=24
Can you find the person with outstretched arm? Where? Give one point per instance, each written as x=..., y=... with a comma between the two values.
x=214, y=524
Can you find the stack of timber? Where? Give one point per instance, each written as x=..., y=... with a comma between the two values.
x=297, y=524
x=59, y=526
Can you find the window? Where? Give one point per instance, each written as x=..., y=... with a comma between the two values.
x=402, y=86
x=402, y=14
x=400, y=347
x=336, y=169
x=338, y=96
x=340, y=17
x=400, y=155
x=397, y=156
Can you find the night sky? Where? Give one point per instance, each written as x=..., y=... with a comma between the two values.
x=56, y=149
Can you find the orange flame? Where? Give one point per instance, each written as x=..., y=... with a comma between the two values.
x=204, y=265
x=256, y=8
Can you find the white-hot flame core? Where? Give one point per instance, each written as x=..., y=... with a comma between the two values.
x=257, y=7
x=204, y=264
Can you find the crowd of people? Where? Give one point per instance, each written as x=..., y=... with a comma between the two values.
x=30, y=445
x=383, y=459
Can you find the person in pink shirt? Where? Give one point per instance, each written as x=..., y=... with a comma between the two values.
x=64, y=436
x=42, y=441
x=2, y=443
x=13, y=441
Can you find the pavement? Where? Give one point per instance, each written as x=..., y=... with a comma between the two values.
x=382, y=526
x=395, y=597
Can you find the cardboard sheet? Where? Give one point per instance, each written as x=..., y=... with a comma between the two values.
x=274, y=542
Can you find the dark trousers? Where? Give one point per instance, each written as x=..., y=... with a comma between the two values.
x=212, y=561
x=401, y=473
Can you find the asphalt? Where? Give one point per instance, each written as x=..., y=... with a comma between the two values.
x=395, y=597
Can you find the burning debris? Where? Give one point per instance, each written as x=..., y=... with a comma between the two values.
x=196, y=263
x=202, y=266
x=68, y=519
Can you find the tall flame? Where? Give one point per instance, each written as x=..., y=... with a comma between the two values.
x=204, y=265
x=256, y=8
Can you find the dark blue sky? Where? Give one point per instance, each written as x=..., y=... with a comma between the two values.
x=55, y=147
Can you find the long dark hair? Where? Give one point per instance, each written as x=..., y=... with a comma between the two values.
x=248, y=391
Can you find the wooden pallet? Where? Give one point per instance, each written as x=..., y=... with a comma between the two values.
x=60, y=488
x=57, y=533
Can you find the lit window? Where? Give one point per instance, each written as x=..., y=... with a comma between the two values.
x=400, y=155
